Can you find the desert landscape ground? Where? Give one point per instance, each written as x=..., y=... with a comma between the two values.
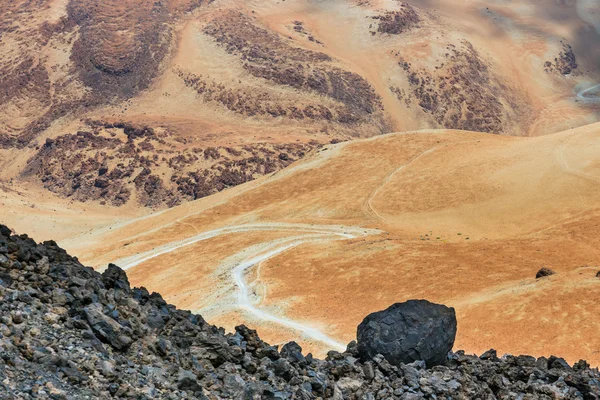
x=295, y=165
x=332, y=238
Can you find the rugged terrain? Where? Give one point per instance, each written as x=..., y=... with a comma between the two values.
x=235, y=89
x=111, y=162
x=264, y=134
x=419, y=220
x=68, y=332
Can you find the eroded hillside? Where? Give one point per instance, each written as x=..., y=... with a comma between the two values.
x=267, y=82
x=264, y=131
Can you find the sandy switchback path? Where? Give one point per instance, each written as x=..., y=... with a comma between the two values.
x=245, y=300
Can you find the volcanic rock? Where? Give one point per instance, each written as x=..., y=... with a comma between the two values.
x=416, y=330
x=68, y=332
x=544, y=272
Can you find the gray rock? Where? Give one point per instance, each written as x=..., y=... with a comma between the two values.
x=107, y=329
x=107, y=368
x=187, y=380
x=115, y=277
x=293, y=352
x=59, y=297
x=558, y=363
x=17, y=317
x=348, y=385
x=337, y=393
x=318, y=382
x=283, y=369
x=410, y=331
x=412, y=396
x=4, y=261
x=489, y=355
x=276, y=395
x=43, y=265
x=411, y=375
x=368, y=371
x=234, y=384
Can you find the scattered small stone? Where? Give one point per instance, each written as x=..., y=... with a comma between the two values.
x=544, y=272
x=17, y=317
x=51, y=318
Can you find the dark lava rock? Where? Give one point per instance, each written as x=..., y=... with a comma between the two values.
x=186, y=380
x=406, y=332
x=544, y=272
x=5, y=231
x=69, y=332
x=106, y=328
x=293, y=352
x=115, y=277
x=491, y=354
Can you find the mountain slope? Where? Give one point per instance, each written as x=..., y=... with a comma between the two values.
x=177, y=100
x=418, y=220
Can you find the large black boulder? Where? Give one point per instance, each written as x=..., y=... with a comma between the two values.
x=405, y=332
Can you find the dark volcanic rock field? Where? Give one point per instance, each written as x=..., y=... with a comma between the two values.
x=68, y=332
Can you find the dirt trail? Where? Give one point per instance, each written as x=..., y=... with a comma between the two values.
x=369, y=206
x=470, y=232
x=238, y=270
x=249, y=301
x=370, y=209
x=583, y=94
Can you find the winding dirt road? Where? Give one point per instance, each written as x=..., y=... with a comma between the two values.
x=583, y=94
x=370, y=210
x=245, y=298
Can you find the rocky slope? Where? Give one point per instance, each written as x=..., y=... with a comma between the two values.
x=114, y=162
x=68, y=332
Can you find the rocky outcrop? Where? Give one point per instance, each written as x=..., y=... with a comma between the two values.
x=565, y=63
x=463, y=92
x=107, y=51
x=69, y=332
x=344, y=96
x=113, y=163
x=416, y=330
x=397, y=22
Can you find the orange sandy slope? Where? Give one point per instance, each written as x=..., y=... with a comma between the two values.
x=467, y=219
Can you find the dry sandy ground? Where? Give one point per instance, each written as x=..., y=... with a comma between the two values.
x=466, y=219
x=513, y=39
x=44, y=216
